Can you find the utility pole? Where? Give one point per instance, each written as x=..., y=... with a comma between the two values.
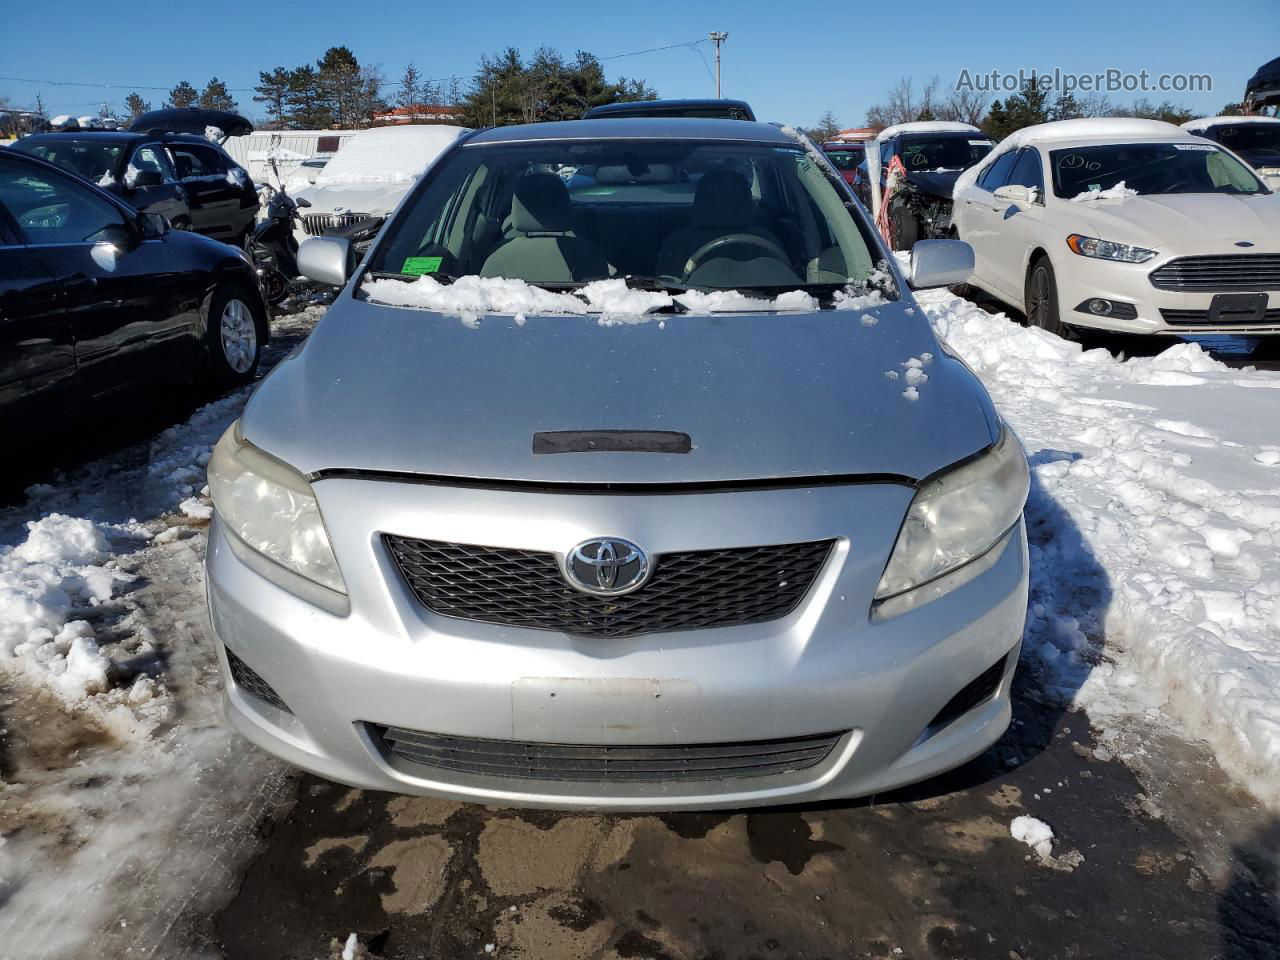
x=718, y=37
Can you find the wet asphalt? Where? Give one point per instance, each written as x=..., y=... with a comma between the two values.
x=927, y=872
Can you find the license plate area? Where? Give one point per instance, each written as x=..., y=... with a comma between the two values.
x=1238, y=308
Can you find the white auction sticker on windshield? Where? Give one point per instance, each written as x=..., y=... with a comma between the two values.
x=980, y=143
x=1194, y=146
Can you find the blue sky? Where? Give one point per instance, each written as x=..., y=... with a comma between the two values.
x=792, y=60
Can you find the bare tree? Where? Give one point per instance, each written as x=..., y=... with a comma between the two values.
x=965, y=106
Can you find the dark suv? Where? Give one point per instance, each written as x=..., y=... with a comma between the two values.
x=188, y=179
x=704, y=109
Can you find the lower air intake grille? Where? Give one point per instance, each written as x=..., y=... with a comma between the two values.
x=971, y=695
x=250, y=681
x=568, y=762
x=687, y=591
x=1202, y=317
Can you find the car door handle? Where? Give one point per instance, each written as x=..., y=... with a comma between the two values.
x=80, y=286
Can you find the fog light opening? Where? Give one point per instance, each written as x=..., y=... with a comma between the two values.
x=1100, y=307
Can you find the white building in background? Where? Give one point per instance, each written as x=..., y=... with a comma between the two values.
x=290, y=148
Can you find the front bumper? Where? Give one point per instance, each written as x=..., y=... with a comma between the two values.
x=828, y=666
x=1164, y=312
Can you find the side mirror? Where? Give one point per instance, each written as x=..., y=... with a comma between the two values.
x=331, y=260
x=153, y=225
x=302, y=202
x=940, y=263
x=146, y=178
x=1016, y=193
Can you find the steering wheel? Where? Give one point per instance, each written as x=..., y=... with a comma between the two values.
x=705, y=251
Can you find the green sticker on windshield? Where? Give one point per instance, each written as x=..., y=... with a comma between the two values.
x=417, y=266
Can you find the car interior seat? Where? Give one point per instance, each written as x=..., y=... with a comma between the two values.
x=543, y=247
x=722, y=205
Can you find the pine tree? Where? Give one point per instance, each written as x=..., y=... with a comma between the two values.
x=1066, y=107
x=136, y=106
x=273, y=90
x=217, y=97
x=307, y=109
x=828, y=127
x=182, y=95
x=411, y=91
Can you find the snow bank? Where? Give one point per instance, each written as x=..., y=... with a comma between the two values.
x=471, y=297
x=388, y=154
x=1118, y=192
x=1154, y=522
x=1036, y=834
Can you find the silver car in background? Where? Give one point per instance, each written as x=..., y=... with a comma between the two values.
x=745, y=548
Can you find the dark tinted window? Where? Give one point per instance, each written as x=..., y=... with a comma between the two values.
x=997, y=174
x=1247, y=136
x=195, y=161
x=1028, y=171
x=1150, y=168
x=847, y=158
x=90, y=158
x=943, y=153
x=53, y=209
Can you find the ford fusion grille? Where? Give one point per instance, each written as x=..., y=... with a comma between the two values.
x=1203, y=317
x=686, y=591
x=1226, y=272
x=558, y=761
x=317, y=223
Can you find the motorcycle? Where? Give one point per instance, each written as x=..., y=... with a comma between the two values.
x=273, y=248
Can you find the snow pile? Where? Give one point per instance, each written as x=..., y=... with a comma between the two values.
x=106, y=180
x=926, y=126
x=1118, y=192
x=1036, y=834
x=388, y=155
x=472, y=297
x=1154, y=522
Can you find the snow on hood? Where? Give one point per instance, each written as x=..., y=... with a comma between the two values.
x=471, y=297
x=1118, y=192
x=378, y=387
x=927, y=126
x=1117, y=129
x=388, y=155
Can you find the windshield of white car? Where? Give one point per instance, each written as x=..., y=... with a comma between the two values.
x=1248, y=136
x=91, y=159
x=1150, y=169
x=690, y=214
x=922, y=154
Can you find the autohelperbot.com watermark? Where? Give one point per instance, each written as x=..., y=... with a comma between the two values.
x=1111, y=80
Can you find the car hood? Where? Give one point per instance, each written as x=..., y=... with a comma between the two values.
x=935, y=183
x=378, y=198
x=1158, y=221
x=760, y=396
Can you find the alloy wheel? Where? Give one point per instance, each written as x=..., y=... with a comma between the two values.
x=239, y=336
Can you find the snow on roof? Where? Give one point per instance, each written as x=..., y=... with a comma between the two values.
x=388, y=154
x=927, y=126
x=1204, y=123
x=1118, y=129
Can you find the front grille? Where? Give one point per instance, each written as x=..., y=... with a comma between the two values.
x=250, y=681
x=317, y=223
x=1220, y=273
x=582, y=762
x=1202, y=317
x=973, y=693
x=686, y=591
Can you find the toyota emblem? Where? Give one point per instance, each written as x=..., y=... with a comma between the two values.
x=606, y=566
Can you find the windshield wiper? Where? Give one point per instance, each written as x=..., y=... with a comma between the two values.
x=409, y=277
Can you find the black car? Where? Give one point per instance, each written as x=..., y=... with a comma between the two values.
x=187, y=178
x=705, y=109
x=932, y=158
x=96, y=297
x=1255, y=139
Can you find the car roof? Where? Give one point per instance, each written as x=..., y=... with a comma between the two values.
x=636, y=128
x=54, y=136
x=692, y=103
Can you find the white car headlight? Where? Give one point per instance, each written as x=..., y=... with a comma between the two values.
x=1108, y=249
x=272, y=509
x=958, y=517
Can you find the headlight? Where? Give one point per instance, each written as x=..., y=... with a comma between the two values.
x=958, y=517
x=271, y=507
x=1108, y=250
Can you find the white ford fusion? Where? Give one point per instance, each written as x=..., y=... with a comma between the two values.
x=1131, y=226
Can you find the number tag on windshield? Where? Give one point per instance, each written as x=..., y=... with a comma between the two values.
x=417, y=266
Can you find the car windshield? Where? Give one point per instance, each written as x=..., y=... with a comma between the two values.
x=944, y=153
x=846, y=159
x=91, y=159
x=1244, y=137
x=1150, y=168
x=710, y=215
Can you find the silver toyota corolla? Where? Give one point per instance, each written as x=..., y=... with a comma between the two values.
x=481, y=538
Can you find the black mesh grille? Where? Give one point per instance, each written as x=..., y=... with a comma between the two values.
x=250, y=681
x=570, y=762
x=1225, y=273
x=686, y=591
x=975, y=692
x=1202, y=317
